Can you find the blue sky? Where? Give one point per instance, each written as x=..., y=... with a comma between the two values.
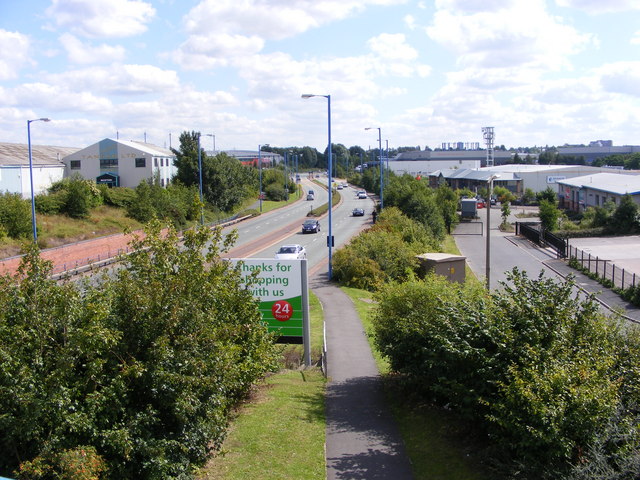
x=426, y=72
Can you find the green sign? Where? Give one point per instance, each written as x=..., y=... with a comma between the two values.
x=280, y=287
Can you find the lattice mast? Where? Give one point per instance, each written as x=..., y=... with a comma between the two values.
x=487, y=133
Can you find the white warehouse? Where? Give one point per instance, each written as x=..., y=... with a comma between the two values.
x=121, y=163
x=47, y=164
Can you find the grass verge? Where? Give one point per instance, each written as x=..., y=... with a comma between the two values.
x=436, y=442
x=280, y=432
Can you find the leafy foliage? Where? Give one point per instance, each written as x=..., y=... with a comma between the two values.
x=142, y=369
x=385, y=252
x=15, y=215
x=549, y=214
x=541, y=371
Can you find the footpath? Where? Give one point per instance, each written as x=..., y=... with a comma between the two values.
x=362, y=439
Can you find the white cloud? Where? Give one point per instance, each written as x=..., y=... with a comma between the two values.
x=621, y=77
x=223, y=29
x=101, y=18
x=14, y=53
x=392, y=47
x=120, y=79
x=514, y=34
x=635, y=39
x=595, y=7
x=86, y=54
x=48, y=97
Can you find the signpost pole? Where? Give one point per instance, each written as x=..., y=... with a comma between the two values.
x=306, y=326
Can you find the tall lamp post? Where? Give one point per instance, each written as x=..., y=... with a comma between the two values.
x=330, y=237
x=260, y=174
x=380, y=163
x=488, y=207
x=33, y=200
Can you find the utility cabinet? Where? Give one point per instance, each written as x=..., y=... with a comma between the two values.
x=445, y=264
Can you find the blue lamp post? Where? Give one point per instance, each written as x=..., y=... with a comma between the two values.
x=330, y=237
x=33, y=200
x=260, y=174
x=379, y=164
x=200, y=182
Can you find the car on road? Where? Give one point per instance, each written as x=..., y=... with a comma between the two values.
x=481, y=203
x=311, y=226
x=362, y=194
x=357, y=212
x=339, y=187
x=291, y=252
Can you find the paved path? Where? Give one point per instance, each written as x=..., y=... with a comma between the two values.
x=363, y=441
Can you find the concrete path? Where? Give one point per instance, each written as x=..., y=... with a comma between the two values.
x=363, y=441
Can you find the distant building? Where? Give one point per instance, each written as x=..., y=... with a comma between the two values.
x=122, y=163
x=48, y=167
x=540, y=177
x=579, y=193
x=424, y=162
x=596, y=150
x=250, y=157
x=475, y=179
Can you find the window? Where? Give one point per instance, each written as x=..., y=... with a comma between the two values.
x=141, y=162
x=155, y=162
x=75, y=164
x=108, y=162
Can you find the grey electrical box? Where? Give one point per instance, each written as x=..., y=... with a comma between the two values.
x=445, y=264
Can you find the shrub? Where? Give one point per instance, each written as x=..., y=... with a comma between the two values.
x=15, y=215
x=142, y=369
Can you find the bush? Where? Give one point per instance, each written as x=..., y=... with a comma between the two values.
x=537, y=369
x=141, y=369
x=15, y=215
x=119, y=197
x=51, y=203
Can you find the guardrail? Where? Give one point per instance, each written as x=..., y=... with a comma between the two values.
x=82, y=265
x=604, y=269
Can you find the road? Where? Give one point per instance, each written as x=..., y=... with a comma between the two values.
x=506, y=251
x=283, y=226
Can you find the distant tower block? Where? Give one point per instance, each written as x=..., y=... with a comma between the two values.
x=487, y=133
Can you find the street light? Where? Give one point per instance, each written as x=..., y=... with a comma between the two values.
x=260, y=174
x=33, y=200
x=200, y=182
x=380, y=163
x=330, y=237
x=488, y=207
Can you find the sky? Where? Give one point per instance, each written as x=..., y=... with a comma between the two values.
x=540, y=72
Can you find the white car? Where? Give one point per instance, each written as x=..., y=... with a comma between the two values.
x=362, y=194
x=291, y=252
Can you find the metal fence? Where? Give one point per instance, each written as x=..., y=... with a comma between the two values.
x=604, y=269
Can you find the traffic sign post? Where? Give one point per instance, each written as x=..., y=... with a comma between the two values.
x=281, y=286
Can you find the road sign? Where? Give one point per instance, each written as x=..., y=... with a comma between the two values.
x=282, y=289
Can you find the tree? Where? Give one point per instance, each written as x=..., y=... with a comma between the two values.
x=549, y=215
x=548, y=194
x=528, y=196
x=139, y=371
x=625, y=218
x=505, y=210
x=447, y=201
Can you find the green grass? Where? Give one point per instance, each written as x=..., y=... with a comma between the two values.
x=434, y=439
x=280, y=434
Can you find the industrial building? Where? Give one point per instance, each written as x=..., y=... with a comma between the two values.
x=47, y=167
x=121, y=163
x=580, y=193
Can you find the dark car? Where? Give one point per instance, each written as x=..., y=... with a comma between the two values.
x=311, y=226
x=358, y=212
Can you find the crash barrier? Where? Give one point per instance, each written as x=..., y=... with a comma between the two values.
x=110, y=255
x=604, y=269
